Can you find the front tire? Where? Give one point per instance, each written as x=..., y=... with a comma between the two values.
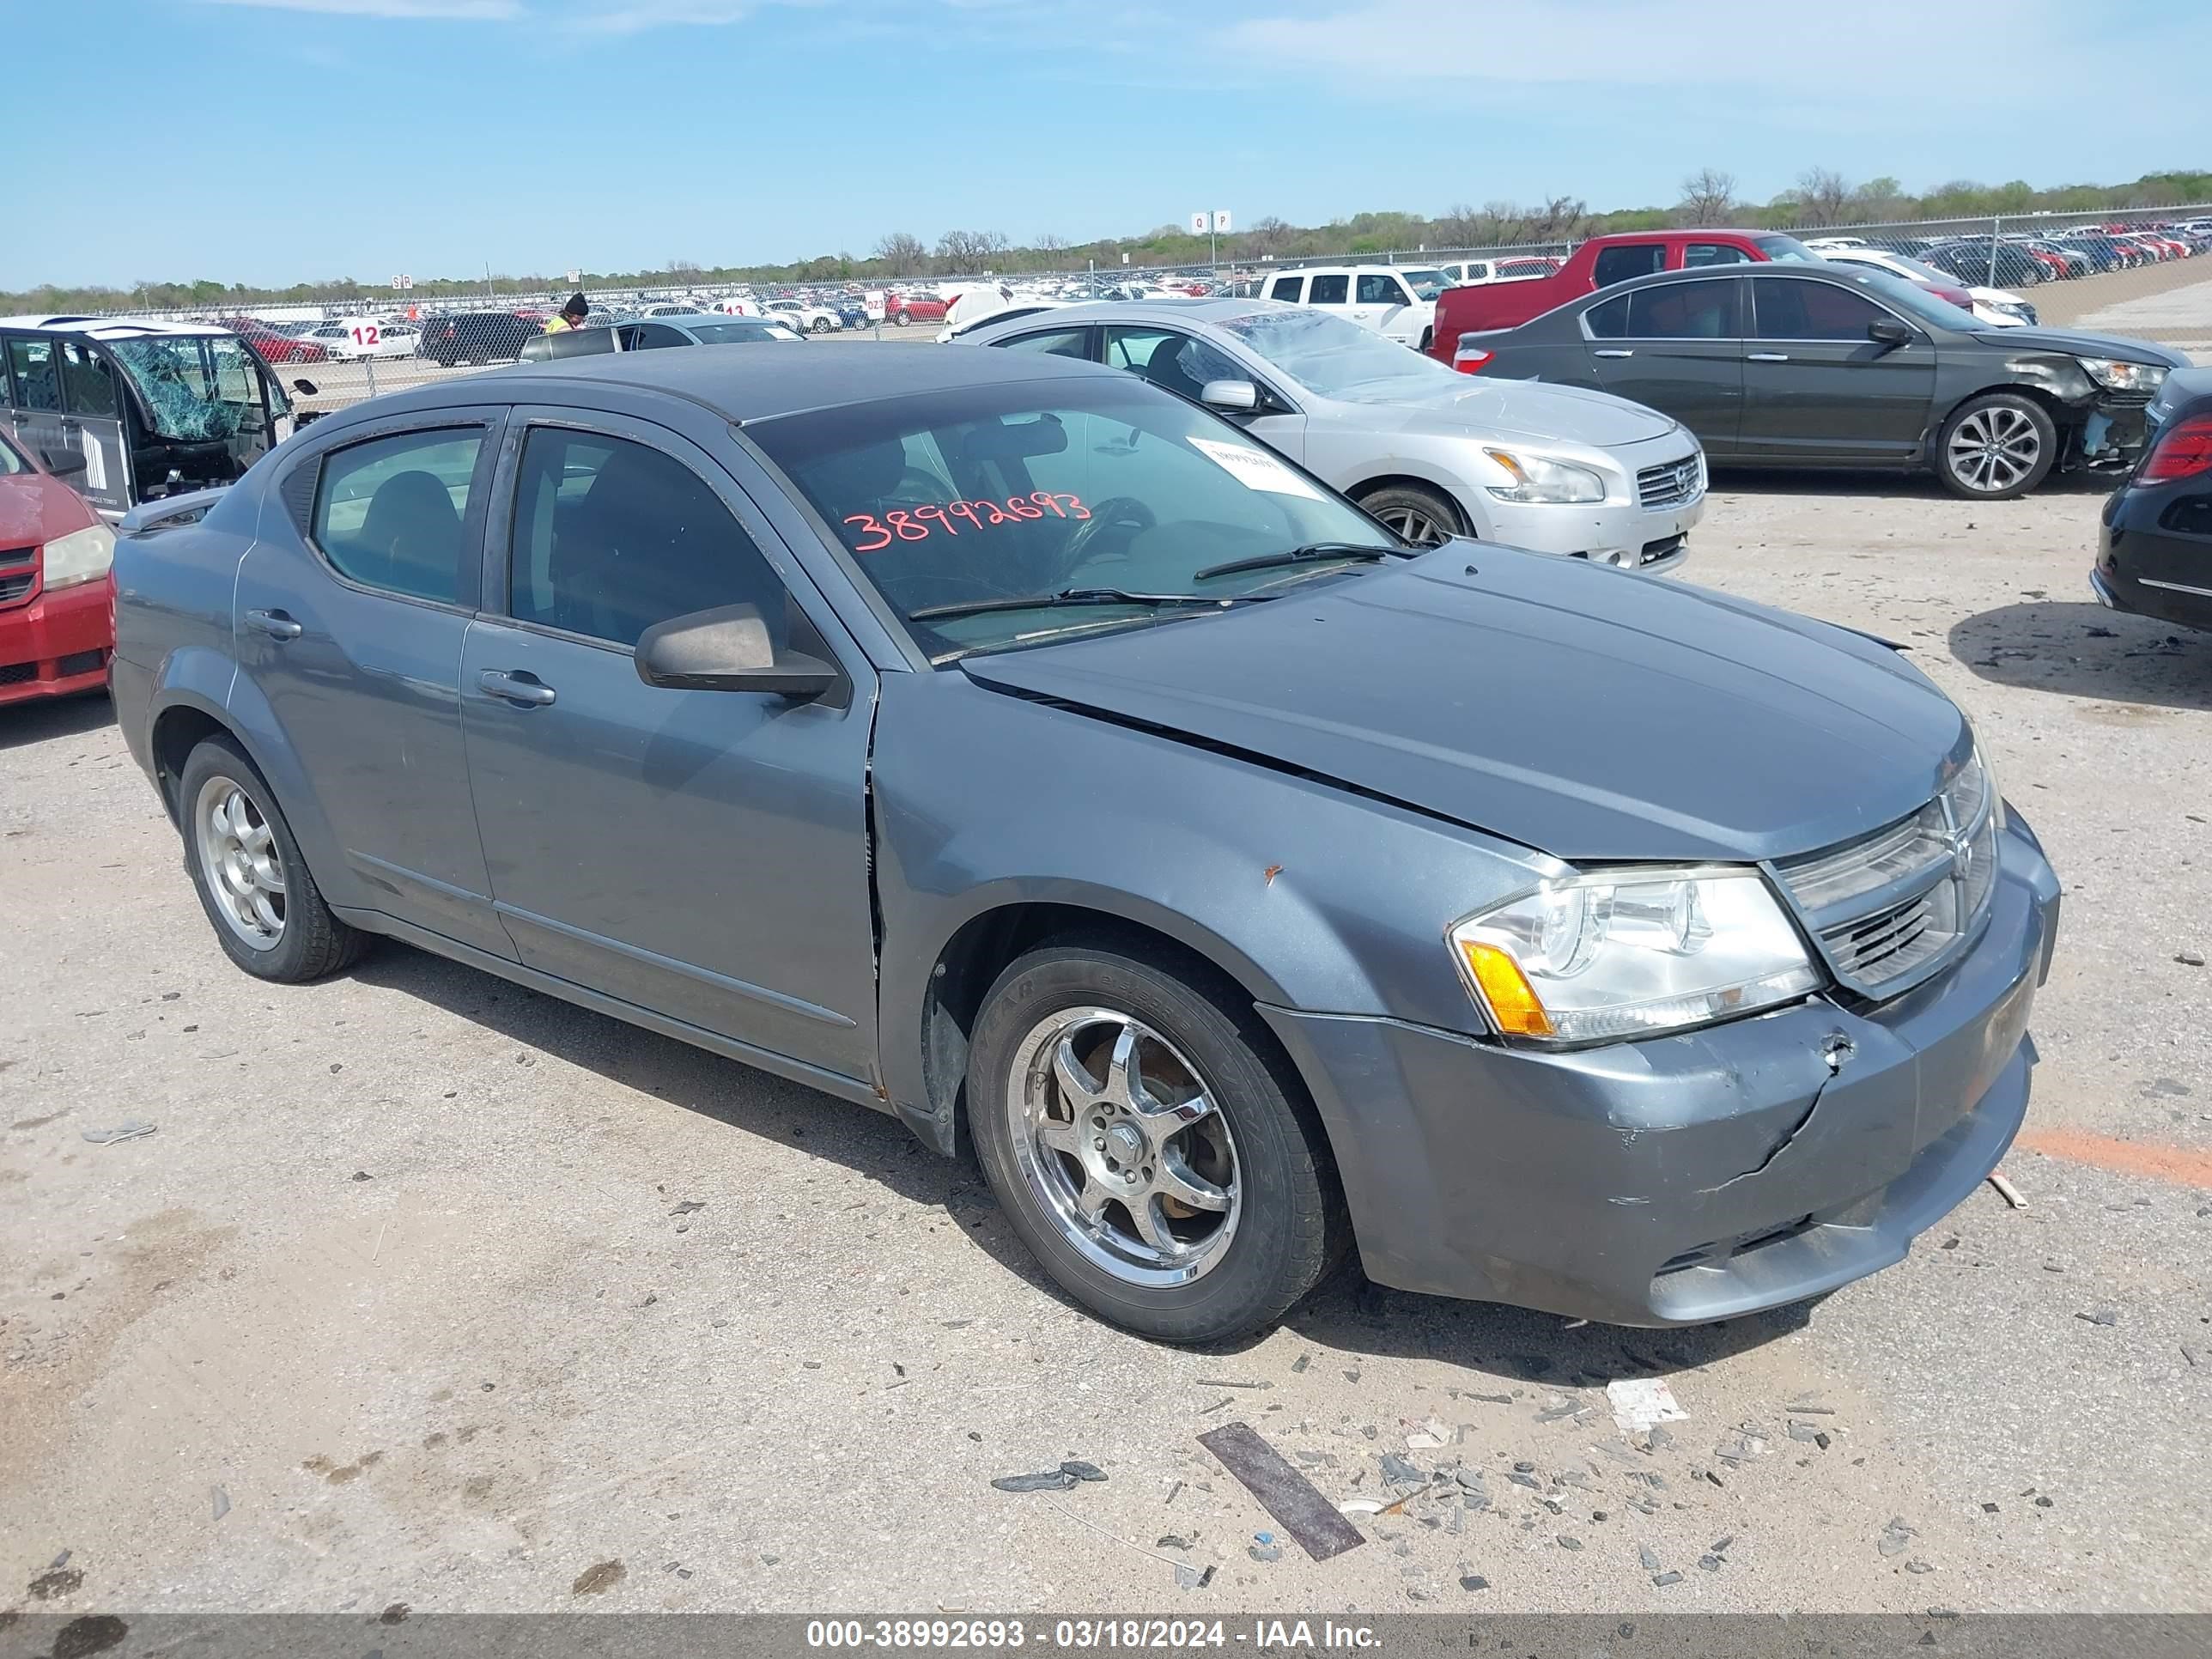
x=1995, y=447
x=902, y=320
x=823, y=324
x=1419, y=516
x=1164, y=1171
x=268, y=914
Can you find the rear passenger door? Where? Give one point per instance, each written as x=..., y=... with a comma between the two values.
x=701, y=855
x=92, y=426
x=352, y=609
x=1677, y=348
x=35, y=360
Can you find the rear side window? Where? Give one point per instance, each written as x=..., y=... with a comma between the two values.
x=1618, y=264
x=1285, y=288
x=1609, y=321
x=1056, y=342
x=1685, y=311
x=1328, y=290
x=611, y=536
x=390, y=512
x=38, y=383
x=1811, y=310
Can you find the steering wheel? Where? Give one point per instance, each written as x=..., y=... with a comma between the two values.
x=1117, y=511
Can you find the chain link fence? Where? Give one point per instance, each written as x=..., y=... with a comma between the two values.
x=2139, y=271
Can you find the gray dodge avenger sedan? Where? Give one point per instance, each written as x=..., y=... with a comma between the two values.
x=1001, y=741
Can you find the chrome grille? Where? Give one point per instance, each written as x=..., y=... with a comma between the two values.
x=1671, y=484
x=1891, y=907
x=19, y=569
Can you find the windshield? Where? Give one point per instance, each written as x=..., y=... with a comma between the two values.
x=1914, y=300
x=194, y=387
x=1076, y=487
x=1338, y=359
x=1786, y=248
x=1427, y=285
x=739, y=333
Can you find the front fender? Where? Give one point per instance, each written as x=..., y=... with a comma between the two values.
x=1308, y=896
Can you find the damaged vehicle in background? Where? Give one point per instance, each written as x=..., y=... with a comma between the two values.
x=127, y=411
x=55, y=623
x=2154, y=543
x=1246, y=885
x=1822, y=366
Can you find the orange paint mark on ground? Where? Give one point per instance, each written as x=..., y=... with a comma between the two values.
x=2135, y=1157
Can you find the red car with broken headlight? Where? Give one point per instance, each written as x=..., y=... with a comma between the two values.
x=57, y=624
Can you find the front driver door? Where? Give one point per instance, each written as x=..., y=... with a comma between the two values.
x=701, y=854
x=1676, y=347
x=1817, y=389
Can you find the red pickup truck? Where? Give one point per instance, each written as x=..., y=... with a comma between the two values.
x=1600, y=263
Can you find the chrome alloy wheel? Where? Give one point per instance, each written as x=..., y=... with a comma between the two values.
x=1994, y=448
x=1118, y=1135
x=1414, y=527
x=239, y=862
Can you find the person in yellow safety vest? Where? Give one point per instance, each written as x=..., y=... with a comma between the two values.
x=572, y=314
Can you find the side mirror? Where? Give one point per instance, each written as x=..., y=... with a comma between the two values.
x=64, y=464
x=304, y=388
x=1887, y=331
x=728, y=649
x=1231, y=397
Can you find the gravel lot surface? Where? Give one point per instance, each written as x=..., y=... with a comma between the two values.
x=428, y=1290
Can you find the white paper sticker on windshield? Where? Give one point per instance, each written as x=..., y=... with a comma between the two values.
x=1254, y=468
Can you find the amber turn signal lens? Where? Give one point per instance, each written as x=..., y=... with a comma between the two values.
x=1512, y=1000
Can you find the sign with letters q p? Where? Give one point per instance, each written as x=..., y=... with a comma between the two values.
x=1199, y=222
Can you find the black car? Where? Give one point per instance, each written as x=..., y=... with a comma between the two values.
x=1973, y=262
x=655, y=333
x=476, y=337
x=2155, y=544
x=1800, y=365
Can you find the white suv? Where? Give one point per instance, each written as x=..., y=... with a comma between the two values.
x=1399, y=301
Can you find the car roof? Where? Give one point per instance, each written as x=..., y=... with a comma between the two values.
x=110, y=328
x=742, y=385
x=1141, y=311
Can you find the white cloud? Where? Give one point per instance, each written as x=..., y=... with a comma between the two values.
x=465, y=11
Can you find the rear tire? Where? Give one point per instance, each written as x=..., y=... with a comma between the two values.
x=901, y=319
x=822, y=325
x=1265, y=1223
x=1424, y=517
x=268, y=914
x=1995, y=447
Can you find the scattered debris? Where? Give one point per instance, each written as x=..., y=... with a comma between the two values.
x=1044, y=1480
x=1810, y=1411
x=1225, y=1400
x=1471, y=1582
x=1189, y=1578
x=1265, y=1551
x=1918, y=1566
x=362, y=1175
x=1230, y=1382
x=593, y=1580
x=1648, y=1557
x=689, y=1207
x=1895, y=1536
x=2006, y=1190
x=1660, y=1580
x=1302, y=1362
x=56, y=1582
x=220, y=1499
x=128, y=1130
x=2101, y=1317
x=1292, y=1499
x=1399, y=1472
x=2189, y=958
x=1641, y=1403
x=1080, y=1470
x=1361, y=1506
x=1566, y=1542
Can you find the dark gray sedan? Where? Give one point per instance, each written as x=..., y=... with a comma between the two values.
x=1000, y=741
x=1812, y=366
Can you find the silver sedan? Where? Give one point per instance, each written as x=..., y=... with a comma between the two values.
x=1429, y=452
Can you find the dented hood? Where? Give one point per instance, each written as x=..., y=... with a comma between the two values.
x=1582, y=711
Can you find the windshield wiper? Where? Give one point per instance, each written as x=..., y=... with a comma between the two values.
x=1066, y=596
x=1305, y=555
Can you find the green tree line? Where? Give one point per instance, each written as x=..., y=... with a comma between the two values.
x=1822, y=198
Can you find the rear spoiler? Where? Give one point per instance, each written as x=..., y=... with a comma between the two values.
x=170, y=512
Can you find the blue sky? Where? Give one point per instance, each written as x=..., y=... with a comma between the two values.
x=272, y=141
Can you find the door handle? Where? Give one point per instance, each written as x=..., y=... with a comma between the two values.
x=275, y=623
x=1766, y=356
x=518, y=688
x=1614, y=351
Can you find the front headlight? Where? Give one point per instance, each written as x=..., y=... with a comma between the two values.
x=1587, y=958
x=1536, y=479
x=82, y=555
x=2116, y=375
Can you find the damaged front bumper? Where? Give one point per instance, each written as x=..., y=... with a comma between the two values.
x=1694, y=1177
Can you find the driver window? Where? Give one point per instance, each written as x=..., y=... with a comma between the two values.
x=37, y=385
x=1172, y=361
x=611, y=536
x=88, y=380
x=1379, y=289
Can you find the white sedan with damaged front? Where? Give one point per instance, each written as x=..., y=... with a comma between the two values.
x=1556, y=469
